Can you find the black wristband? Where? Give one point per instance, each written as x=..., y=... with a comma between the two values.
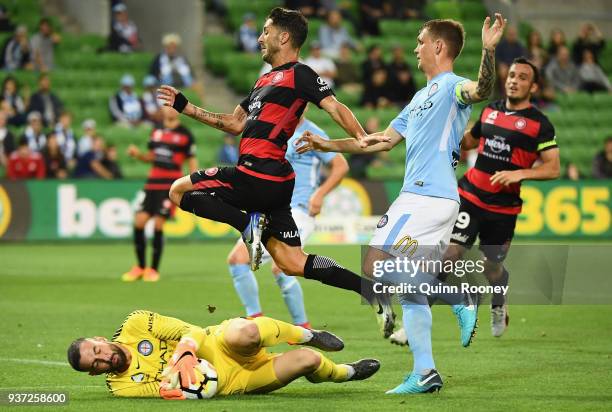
x=180, y=102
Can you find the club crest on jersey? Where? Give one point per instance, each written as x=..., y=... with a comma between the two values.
x=278, y=77
x=520, y=124
x=432, y=89
x=145, y=347
x=211, y=171
x=383, y=221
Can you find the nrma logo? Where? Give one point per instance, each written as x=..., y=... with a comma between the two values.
x=498, y=144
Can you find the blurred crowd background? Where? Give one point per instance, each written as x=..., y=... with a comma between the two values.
x=72, y=102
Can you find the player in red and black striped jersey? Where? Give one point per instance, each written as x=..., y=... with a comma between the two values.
x=263, y=179
x=170, y=145
x=511, y=136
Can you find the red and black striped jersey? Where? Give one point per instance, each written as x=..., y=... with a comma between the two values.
x=509, y=140
x=170, y=149
x=274, y=107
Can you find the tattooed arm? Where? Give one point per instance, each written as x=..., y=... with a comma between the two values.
x=474, y=92
x=232, y=123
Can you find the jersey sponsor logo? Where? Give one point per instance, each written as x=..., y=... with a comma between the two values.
x=418, y=111
x=520, y=124
x=324, y=85
x=139, y=377
x=256, y=104
x=211, y=171
x=278, y=77
x=498, y=144
x=432, y=89
x=291, y=234
x=459, y=237
x=383, y=221
x=145, y=347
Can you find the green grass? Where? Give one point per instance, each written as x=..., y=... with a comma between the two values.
x=551, y=358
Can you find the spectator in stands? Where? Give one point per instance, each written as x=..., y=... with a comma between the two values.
x=23, y=163
x=248, y=34
x=170, y=67
x=557, y=39
x=110, y=162
x=6, y=26
x=572, y=172
x=90, y=164
x=322, y=65
x=592, y=77
x=65, y=138
x=309, y=8
x=43, y=44
x=406, y=9
x=561, y=72
x=401, y=83
x=150, y=104
x=86, y=141
x=7, y=140
x=371, y=12
x=536, y=52
x=125, y=106
x=124, y=33
x=228, y=153
x=373, y=62
x=348, y=78
x=12, y=102
x=589, y=38
x=33, y=133
x=16, y=51
x=376, y=91
x=508, y=49
x=602, y=163
x=333, y=35
x=45, y=102
x=55, y=162
x=359, y=162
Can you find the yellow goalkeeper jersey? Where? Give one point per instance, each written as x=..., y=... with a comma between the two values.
x=151, y=339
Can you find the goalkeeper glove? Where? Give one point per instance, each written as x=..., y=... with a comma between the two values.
x=184, y=361
x=171, y=392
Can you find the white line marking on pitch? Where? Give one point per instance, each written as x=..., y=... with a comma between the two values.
x=35, y=361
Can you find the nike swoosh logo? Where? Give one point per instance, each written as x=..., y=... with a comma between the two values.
x=423, y=382
x=510, y=112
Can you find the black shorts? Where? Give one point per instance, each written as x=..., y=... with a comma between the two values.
x=495, y=230
x=251, y=194
x=157, y=203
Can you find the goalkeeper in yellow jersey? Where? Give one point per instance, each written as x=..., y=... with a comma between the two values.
x=149, y=347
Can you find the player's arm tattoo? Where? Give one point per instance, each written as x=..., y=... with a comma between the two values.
x=209, y=118
x=474, y=92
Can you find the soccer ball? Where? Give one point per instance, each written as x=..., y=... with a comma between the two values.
x=206, y=382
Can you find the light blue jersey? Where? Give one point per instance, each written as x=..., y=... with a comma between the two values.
x=307, y=166
x=432, y=125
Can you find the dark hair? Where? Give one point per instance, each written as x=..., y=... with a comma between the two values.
x=8, y=79
x=608, y=140
x=44, y=20
x=291, y=21
x=451, y=31
x=534, y=68
x=74, y=354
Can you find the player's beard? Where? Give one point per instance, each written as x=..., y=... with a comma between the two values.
x=270, y=52
x=121, y=359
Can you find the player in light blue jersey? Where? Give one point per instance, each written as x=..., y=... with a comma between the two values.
x=306, y=203
x=419, y=223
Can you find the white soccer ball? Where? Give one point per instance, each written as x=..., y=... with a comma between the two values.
x=206, y=382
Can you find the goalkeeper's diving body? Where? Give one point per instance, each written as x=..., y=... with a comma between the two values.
x=149, y=350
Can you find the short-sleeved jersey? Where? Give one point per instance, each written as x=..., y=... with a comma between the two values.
x=432, y=125
x=509, y=140
x=170, y=149
x=307, y=166
x=151, y=339
x=274, y=107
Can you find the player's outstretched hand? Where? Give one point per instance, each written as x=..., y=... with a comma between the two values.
x=167, y=94
x=506, y=177
x=308, y=141
x=492, y=34
x=372, y=139
x=132, y=150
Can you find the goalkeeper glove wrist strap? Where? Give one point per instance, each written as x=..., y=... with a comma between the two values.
x=180, y=102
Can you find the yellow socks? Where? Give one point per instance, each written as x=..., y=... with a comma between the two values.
x=328, y=371
x=272, y=332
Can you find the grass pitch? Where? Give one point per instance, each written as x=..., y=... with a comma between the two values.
x=551, y=357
